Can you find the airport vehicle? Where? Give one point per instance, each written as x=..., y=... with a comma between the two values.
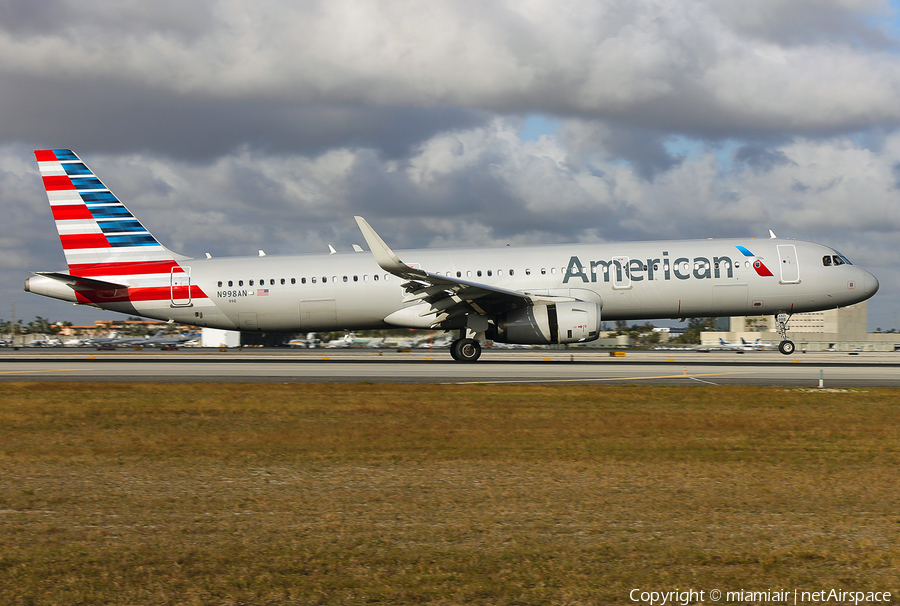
x=519, y=295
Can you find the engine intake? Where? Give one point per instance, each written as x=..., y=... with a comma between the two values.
x=568, y=322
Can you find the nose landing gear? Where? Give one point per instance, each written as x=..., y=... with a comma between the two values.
x=786, y=346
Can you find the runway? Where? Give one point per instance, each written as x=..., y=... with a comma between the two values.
x=829, y=369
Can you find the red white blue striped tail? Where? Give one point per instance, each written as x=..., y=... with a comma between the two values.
x=94, y=227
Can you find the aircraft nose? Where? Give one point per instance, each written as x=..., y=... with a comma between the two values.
x=870, y=283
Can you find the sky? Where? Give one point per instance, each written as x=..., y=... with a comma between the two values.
x=231, y=126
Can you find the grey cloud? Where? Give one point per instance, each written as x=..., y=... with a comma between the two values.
x=231, y=126
x=103, y=114
x=798, y=22
x=113, y=19
x=761, y=158
x=687, y=67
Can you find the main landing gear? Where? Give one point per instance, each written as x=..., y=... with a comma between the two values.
x=465, y=350
x=786, y=347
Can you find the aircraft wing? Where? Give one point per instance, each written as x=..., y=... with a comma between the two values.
x=446, y=297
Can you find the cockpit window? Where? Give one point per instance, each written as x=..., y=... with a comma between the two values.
x=826, y=260
x=840, y=259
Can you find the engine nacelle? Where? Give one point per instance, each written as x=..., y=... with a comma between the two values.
x=568, y=322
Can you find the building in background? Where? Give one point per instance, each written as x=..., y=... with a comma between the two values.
x=840, y=329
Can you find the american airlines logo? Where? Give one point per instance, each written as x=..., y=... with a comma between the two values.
x=624, y=269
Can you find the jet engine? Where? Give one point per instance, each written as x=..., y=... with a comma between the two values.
x=566, y=322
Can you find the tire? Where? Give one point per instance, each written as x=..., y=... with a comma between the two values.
x=786, y=347
x=467, y=350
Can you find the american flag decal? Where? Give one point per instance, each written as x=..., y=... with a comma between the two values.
x=262, y=292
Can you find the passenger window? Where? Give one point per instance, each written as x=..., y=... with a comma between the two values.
x=469, y=274
x=499, y=272
x=527, y=272
x=512, y=273
x=553, y=270
x=293, y=281
x=346, y=279
x=459, y=274
x=826, y=260
x=543, y=271
x=375, y=277
x=230, y=283
x=220, y=283
x=250, y=283
x=272, y=281
x=313, y=280
x=240, y=282
x=356, y=278
x=478, y=273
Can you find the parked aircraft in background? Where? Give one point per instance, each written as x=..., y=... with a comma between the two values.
x=160, y=339
x=309, y=342
x=756, y=345
x=520, y=295
x=744, y=345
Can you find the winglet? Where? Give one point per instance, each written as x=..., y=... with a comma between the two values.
x=772, y=235
x=384, y=256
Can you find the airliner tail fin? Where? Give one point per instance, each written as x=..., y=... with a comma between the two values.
x=94, y=227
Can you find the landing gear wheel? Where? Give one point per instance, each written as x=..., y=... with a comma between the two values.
x=453, y=347
x=466, y=350
x=786, y=347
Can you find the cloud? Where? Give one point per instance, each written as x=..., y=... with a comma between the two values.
x=688, y=66
x=228, y=126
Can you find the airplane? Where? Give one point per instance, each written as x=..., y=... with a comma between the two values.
x=311, y=341
x=755, y=345
x=528, y=295
x=162, y=341
x=743, y=345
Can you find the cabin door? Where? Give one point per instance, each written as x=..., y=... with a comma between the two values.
x=787, y=260
x=180, y=286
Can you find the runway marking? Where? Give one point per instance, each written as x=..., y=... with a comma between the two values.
x=702, y=381
x=586, y=379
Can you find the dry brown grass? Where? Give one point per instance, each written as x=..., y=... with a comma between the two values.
x=424, y=494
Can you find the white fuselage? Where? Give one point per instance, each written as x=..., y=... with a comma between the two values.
x=629, y=280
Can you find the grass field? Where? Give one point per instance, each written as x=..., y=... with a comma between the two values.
x=427, y=494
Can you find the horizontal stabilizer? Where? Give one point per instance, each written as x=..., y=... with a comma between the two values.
x=77, y=281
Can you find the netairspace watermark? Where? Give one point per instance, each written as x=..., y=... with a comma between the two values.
x=683, y=597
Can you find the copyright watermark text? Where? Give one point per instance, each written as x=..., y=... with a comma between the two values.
x=683, y=597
